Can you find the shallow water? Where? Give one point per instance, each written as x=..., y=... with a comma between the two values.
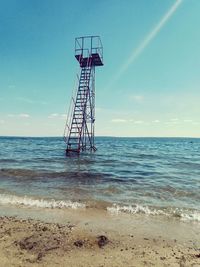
x=158, y=176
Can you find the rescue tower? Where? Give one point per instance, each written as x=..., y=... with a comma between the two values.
x=79, y=130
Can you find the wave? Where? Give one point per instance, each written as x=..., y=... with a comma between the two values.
x=29, y=174
x=39, y=203
x=195, y=216
x=183, y=214
x=116, y=209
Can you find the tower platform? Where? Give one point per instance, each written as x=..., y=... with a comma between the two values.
x=94, y=58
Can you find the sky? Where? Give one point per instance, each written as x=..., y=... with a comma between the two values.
x=149, y=84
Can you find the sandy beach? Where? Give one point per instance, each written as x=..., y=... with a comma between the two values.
x=91, y=238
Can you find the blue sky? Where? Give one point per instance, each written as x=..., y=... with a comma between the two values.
x=149, y=85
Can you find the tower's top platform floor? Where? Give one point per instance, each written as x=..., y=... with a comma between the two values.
x=93, y=60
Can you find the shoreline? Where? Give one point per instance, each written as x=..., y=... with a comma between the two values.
x=42, y=237
x=13, y=201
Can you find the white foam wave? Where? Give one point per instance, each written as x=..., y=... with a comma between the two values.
x=115, y=209
x=184, y=215
x=39, y=203
x=195, y=216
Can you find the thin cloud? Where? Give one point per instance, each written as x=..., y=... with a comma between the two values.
x=137, y=98
x=148, y=38
x=119, y=120
x=53, y=115
x=172, y=122
x=138, y=122
x=22, y=115
x=57, y=116
x=188, y=120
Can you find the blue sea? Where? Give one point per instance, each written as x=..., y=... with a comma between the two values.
x=151, y=176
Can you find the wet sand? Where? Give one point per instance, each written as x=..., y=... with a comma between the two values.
x=91, y=238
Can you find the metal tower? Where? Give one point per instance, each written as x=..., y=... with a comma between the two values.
x=79, y=130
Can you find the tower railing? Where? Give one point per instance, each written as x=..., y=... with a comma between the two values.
x=93, y=44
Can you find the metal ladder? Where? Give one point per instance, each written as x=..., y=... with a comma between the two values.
x=75, y=141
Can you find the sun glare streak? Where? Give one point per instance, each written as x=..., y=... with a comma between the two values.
x=150, y=36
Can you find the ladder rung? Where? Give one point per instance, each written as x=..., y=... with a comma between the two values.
x=79, y=105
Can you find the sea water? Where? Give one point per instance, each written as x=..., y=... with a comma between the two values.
x=153, y=176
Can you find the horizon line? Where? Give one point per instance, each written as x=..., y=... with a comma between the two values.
x=58, y=136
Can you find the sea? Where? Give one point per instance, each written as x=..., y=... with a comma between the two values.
x=150, y=176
